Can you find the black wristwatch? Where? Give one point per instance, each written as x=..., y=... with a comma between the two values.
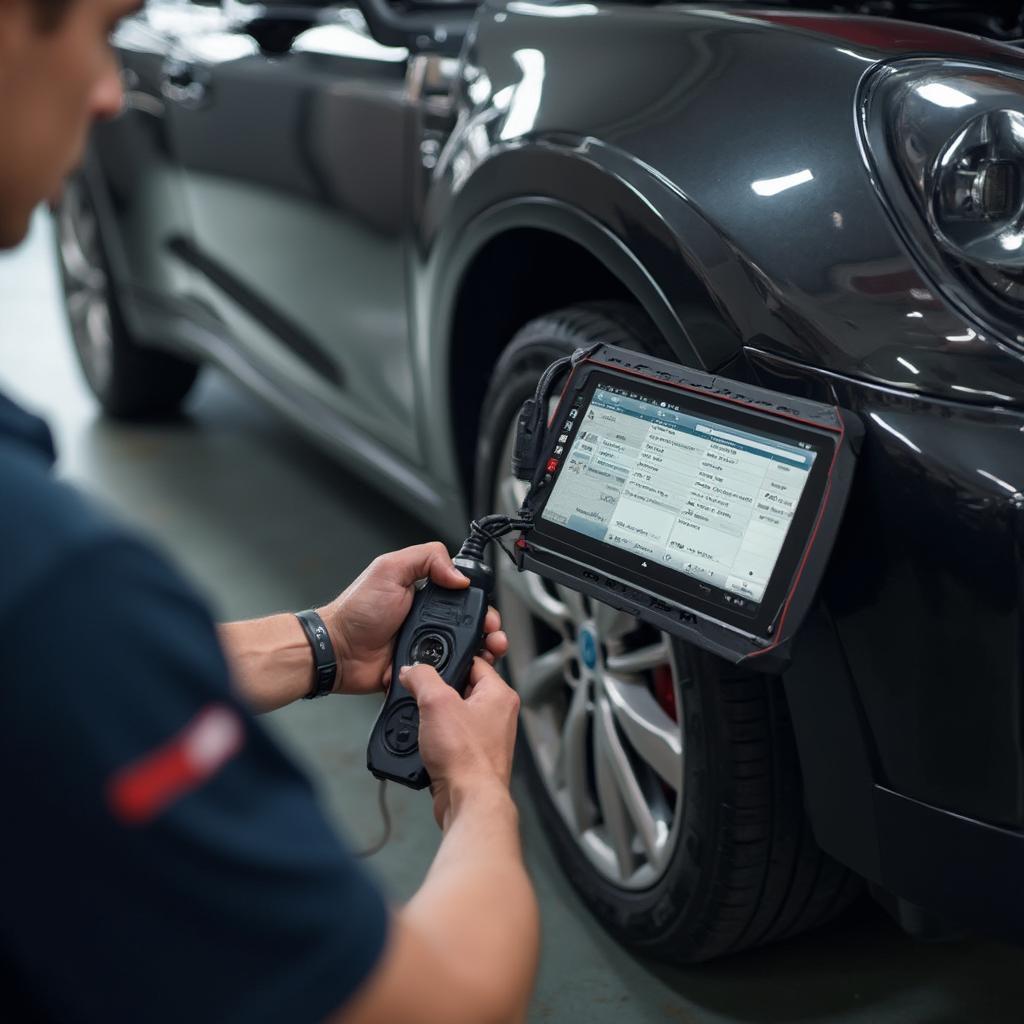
x=324, y=659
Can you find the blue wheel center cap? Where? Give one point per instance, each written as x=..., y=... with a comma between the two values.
x=588, y=648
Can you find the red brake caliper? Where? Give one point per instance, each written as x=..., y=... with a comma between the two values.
x=665, y=692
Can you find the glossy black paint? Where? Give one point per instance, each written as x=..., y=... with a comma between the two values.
x=925, y=590
x=688, y=114
x=707, y=164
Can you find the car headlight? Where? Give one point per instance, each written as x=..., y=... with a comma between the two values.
x=946, y=141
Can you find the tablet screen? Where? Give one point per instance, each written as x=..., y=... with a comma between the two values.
x=685, y=491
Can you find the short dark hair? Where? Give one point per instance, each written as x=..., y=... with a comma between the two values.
x=50, y=13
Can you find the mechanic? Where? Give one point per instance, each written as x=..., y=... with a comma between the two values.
x=162, y=859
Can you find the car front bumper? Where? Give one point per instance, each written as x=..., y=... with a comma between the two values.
x=907, y=687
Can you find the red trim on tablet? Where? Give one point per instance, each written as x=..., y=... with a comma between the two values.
x=840, y=430
x=710, y=394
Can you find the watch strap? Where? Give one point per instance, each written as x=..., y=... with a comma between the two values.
x=325, y=662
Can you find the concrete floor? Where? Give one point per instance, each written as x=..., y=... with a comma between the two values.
x=263, y=522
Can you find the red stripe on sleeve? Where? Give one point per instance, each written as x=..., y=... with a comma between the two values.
x=141, y=790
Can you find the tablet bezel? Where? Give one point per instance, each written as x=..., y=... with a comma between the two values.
x=704, y=598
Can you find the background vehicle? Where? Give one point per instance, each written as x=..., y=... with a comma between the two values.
x=388, y=241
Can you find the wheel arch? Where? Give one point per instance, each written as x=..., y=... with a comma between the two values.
x=525, y=255
x=536, y=225
x=527, y=266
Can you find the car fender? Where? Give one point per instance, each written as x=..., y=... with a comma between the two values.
x=749, y=122
x=647, y=235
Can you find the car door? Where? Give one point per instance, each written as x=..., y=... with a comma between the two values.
x=132, y=173
x=293, y=130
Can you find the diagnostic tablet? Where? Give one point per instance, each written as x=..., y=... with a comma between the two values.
x=705, y=506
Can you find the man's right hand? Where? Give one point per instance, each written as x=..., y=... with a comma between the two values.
x=464, y=949
x=466, y=745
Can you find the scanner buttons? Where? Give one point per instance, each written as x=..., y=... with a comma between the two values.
x=402, y=728
x=433, y=648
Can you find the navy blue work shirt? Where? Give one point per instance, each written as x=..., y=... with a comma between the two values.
x=160, y=859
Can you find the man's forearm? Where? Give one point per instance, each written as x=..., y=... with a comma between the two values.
x=270, y=660
x=477, y=904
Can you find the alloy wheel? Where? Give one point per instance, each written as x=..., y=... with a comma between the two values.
x=601, y=703
x=86, y=284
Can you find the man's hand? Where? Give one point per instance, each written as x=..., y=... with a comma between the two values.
x=464, y=949
x=466, y=745
x=365, y=618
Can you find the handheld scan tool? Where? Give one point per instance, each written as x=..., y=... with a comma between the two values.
x=703, y=506
x=444, y=629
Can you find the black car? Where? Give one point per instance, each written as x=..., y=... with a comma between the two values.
x=386, y=220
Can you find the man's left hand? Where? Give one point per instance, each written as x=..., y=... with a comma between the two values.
x=364, y=619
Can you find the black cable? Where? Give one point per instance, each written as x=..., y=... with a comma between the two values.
x=385, y=816
x=492, y=527
x=511, y=556
x=532, y=422
x=550, y=375
x=547, y=380
x=481, y=533
x=488, y=536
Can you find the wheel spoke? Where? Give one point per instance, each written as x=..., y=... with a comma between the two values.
x=536, y=681
x=80, y=272
x=572, y=758
x=654, y=735
x=86, y=231
x=78, y=300
x=604, y=755
x=609, y=749
x=573, y=601
x=97, y=320
x=92, y=278
x=609, y=797
x=100, y=351
x=640, y=659
x=527, y=586
x=610, y=622
x=512, y=493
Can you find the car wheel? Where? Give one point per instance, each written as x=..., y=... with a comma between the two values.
x=131, y=381
x=667, y=779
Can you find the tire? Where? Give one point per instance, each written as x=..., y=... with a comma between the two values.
x=731, y=861
x=130, y=381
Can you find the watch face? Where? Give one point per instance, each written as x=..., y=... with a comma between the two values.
x=324, y=659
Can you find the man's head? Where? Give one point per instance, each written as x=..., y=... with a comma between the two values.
x=57, y=73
